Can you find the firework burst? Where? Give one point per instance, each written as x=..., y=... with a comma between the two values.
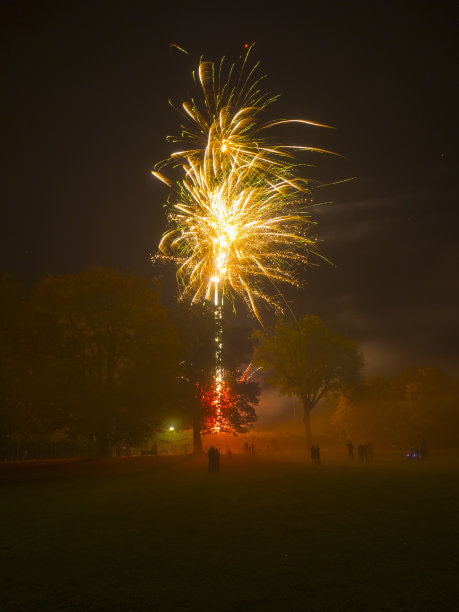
x=237, y=219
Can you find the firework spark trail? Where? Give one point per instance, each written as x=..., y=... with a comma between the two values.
x=235, y=233
x=238, y=222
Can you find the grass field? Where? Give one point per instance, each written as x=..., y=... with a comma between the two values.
x=266, y=533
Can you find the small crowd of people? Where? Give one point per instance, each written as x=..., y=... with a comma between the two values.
x=315, y=455
x=249, y=448
x=213, y=455
x=364, y=451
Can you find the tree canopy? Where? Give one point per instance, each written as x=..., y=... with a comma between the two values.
x=306, y=359
x=95, y=354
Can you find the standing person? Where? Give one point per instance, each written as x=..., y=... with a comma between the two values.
x=350, y=451
x=246, y=447
x=252, y=449
x=211, y=458
x=313, y=455
x=216, y=460
x=318, y=455
x=360, y=450
x=365, y=452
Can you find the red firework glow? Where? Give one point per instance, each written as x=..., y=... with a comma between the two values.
x=228, y=405
x=217, y=403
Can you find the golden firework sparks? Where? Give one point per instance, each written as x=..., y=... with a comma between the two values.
x=237, y=218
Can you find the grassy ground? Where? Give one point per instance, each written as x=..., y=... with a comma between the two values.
x=265, y=533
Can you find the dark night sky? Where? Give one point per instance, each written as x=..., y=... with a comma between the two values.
x=85, y=113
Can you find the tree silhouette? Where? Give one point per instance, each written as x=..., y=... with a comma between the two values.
x=108, y=354
x=416, y=404
x=306, y=359
x=196, y=326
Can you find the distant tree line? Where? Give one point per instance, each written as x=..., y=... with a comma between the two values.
x=415, y=404
x=93, y=362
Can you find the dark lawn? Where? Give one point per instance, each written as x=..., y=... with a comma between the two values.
x=264, y=534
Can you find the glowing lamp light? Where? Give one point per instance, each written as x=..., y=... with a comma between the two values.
x=171, y=428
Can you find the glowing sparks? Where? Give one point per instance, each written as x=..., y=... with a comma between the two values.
x=237, y=217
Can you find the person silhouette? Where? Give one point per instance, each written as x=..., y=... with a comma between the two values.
x=318, y=455
x=313, y=455
x=350, y=451
x=211, y=458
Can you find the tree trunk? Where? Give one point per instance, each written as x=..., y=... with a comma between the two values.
x=307, y=425
x=197, y=441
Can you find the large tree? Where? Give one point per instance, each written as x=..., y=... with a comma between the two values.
x=108, y=354
x=196, y=325
x=306, y=359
